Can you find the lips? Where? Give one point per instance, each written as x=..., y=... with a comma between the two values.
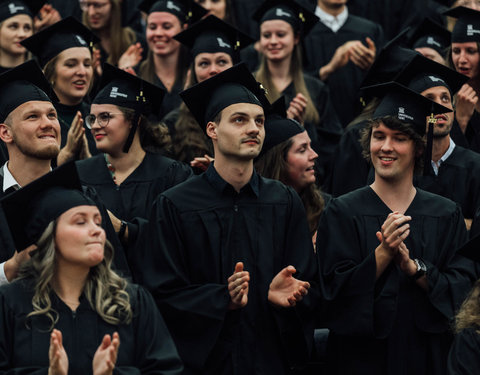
x=99, y=137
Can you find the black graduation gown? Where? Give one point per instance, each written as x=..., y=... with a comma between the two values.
x=391, y=326
x=348, y=169
x=172, y=99
x=320, y=46
x=66, y=114
x=133, y=198
x=146, y=345
x=471, y=138
x=458, y=179
x=326, y=134
x=464, y=356
x=198, y=231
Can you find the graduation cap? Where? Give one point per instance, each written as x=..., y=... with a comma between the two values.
x=467, y=27
x=29, y=210
x=405, y=104
x=67, y=33
x=430, y=34
x=21, y=84
x=301, y=19
x=422, y=73
x=10, y=8
x=187, y=11
x=213, y=35
x=235, y=85
x=391, y=60
x=123, y=89
x=278, y=128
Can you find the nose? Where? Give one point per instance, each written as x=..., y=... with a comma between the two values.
x=312, y=154
x=253, y=129
x=214, y=69
x=387, y=144
x=95, y=229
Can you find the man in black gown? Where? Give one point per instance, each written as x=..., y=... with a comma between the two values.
x=223, y=247
x=339, y=50
x=390, y=274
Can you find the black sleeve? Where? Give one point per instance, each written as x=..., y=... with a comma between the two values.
x=464, y=356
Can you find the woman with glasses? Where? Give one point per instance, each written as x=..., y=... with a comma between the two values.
x=126, y=175
x=65, y=55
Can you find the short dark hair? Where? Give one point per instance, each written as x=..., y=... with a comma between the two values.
x=394, y=124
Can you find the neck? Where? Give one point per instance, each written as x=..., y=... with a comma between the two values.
x=440, y=147
x=126, y=163
x=236, y=172
x=11, y=61
x=280, y=73
x=332, y=10
x=68, y=283
x=397, y=195
x=26, y=169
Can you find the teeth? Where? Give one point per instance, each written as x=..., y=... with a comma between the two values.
x=387, y=159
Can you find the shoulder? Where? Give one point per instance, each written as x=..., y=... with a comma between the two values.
x=361, y=24
x=464, y=155
x=85, y=164
x=429, y=204
x=17, y=294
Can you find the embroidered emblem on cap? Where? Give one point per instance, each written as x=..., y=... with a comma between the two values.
x=223, y=44
x=402, y=115
x=432, y=41
x=471, y=31
x=280, y=13
x=81, y=40
x=436, y=79
x=171, y=5
x=14, y=8
x=115, y=94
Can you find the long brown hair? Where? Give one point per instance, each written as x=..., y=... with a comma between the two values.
x=273, y=164
x=265, y=78
x=120, y=37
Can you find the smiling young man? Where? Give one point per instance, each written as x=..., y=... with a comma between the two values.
x=387, y=254
x=223, y=246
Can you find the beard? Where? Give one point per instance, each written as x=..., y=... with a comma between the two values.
x=48, y=152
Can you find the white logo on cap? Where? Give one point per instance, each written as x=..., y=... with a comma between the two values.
x=14, y=8
x=432, y=41
x=471, y=31
x=81, y=40
x=402, y=115
x=115, y=94
x=436, y=79
x=171, y=5
x=223, y=44
x=280, y=13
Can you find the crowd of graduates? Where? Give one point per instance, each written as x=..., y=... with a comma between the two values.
x=239, y=187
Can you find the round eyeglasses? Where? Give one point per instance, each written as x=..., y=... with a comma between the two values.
x=102, y=119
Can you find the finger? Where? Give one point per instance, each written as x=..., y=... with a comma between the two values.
x=379, y=236
x=289, y=270
x=371, y=44
x=239, y=267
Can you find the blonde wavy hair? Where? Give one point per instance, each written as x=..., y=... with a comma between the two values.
x=104, y=289
x=469, y=313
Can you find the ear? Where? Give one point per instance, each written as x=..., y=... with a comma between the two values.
x=296, y=40
x=212, y=130
x=6, y=133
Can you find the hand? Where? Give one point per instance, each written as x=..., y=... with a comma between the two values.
x=403, y=260
x=393, y=232
x=97, y=62
x=285, y=290
x=238, y=287
x=84, y=151
x=106, y=355
x=131, y=71
x=56, y=354
x=466, y=101
x=202, y=163
x=296, y=109
x=340, y=59
x=74, y=140
x=362, y=56
x=187, y=79
x=131, y=57
x=12, y=266
x=48, y=16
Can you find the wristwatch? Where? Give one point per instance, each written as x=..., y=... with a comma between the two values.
x=421, y=269
x=123, y=228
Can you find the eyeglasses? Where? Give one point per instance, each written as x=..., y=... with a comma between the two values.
x=102, y=119
x=84, y=5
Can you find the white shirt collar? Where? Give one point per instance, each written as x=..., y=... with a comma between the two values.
x=8, y=180
x=332, y=22
x=445, y=156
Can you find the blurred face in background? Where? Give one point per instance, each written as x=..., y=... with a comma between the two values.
x=12, y=31
x=216, y=7
x=98, y=13
x=466, y=58
x=209, y=64
x=161, y=28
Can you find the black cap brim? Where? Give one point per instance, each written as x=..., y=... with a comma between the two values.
x=186, y=10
